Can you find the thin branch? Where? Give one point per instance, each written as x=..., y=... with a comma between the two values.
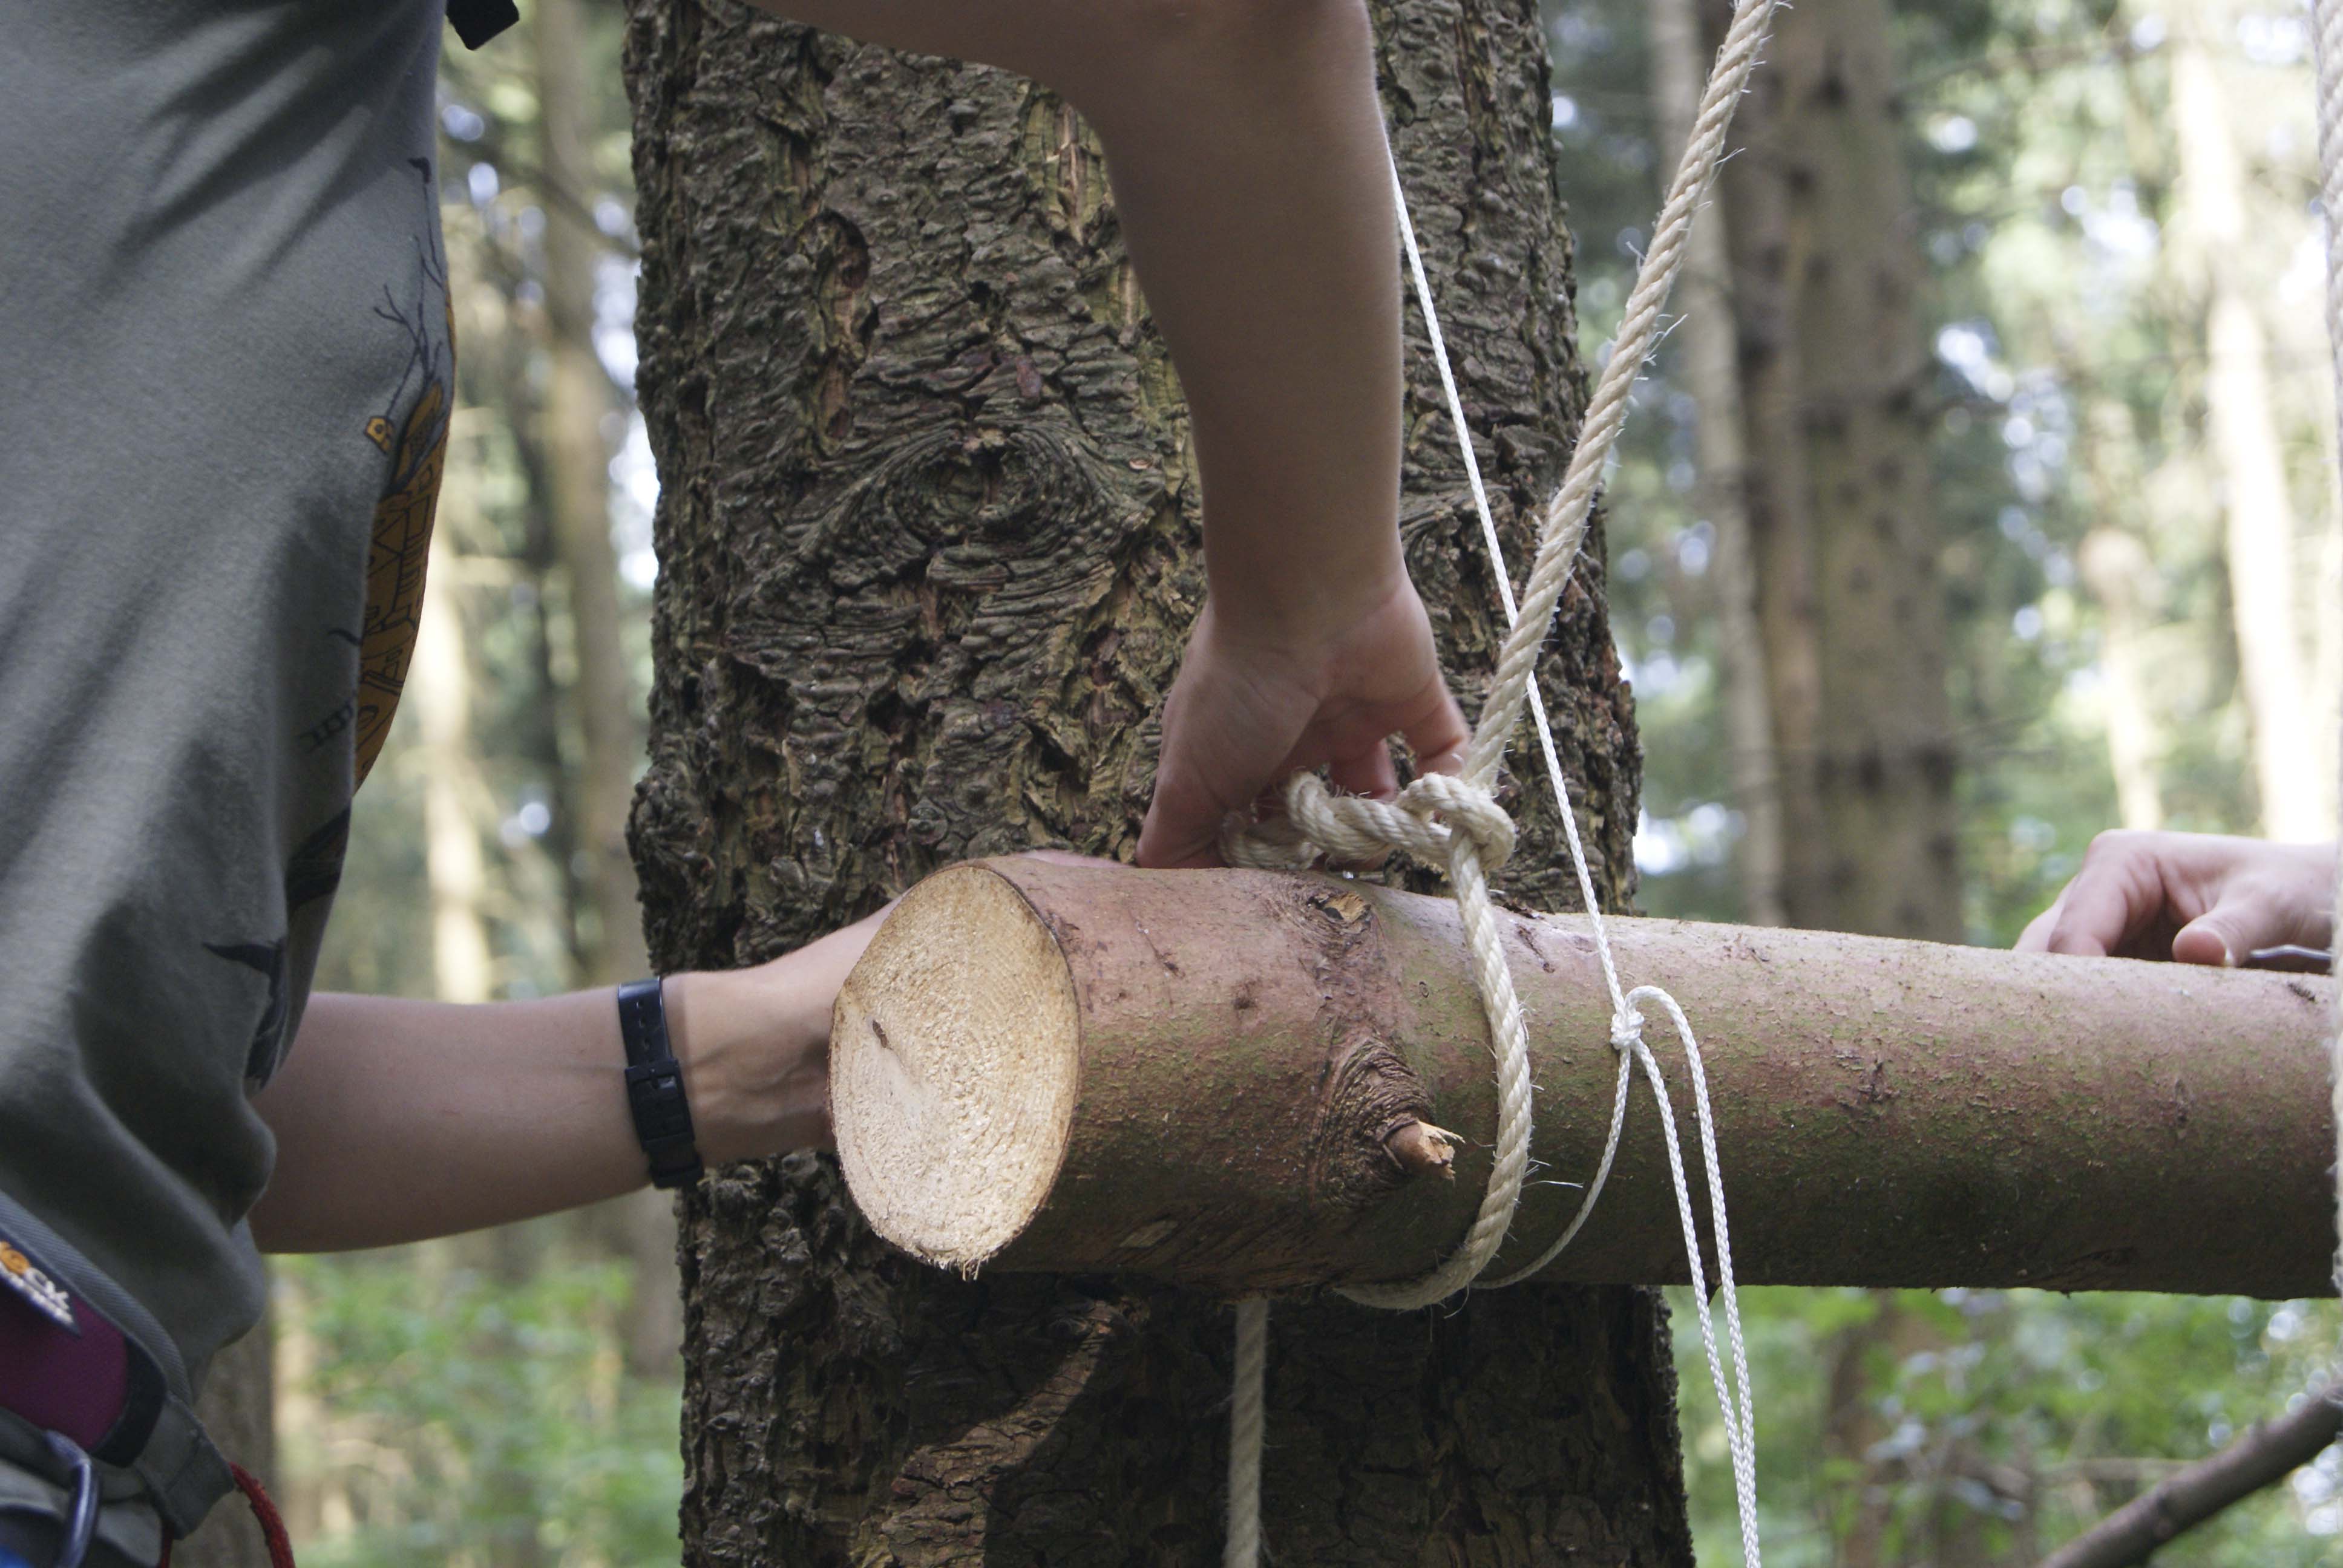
x=2264, y=1455
x=2113, y=1471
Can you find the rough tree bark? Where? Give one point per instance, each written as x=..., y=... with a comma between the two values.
x=239, y=1409
x=929, y=550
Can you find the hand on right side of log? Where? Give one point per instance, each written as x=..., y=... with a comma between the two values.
x=2190, y=898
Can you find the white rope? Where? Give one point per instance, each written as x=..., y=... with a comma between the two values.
x=1627, y=1038
x=1455, y=822
x=2327, y=29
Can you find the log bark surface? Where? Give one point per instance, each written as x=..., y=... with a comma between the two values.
x=928, y=541
x=1244, y=1047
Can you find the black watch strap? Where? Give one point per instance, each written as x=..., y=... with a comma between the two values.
x=477, y=20
x=655, y=1085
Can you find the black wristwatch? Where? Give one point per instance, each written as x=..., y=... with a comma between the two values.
x=655, y=1085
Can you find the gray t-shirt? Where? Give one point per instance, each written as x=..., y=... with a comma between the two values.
x=225, y=374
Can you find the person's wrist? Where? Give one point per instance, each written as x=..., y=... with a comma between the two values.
x=1303, y=608
x=755, y=1063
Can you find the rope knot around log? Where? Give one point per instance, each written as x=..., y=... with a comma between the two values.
x=1423, y=823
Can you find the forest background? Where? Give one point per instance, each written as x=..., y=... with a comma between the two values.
x=2126, y=516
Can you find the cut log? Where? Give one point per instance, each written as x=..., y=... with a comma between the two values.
x=1246, y=1081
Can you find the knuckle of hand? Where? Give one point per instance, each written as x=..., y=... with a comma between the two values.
x=2113, y=843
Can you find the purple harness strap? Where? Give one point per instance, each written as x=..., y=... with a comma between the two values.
x=77, y=1384
x=68, y=1368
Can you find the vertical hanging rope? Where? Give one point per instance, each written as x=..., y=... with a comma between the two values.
x=1456, y=823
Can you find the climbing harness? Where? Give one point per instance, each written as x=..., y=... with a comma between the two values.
x=1456, y=823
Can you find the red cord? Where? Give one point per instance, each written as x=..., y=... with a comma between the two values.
x=272, y=1524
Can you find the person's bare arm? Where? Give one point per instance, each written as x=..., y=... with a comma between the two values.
x=1246, y=148
x=397, y=1120
x=2192, y=898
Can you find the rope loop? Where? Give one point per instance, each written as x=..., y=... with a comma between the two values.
x=1469, y=809
x=1426, y=823
x=1456, y=825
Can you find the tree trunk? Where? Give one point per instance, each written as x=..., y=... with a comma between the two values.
x=2293, y=760
x=1712, y=365
x=1884, y=756
x=929, y=552
x=1045, y=1066
x=2120, y=575
x=1852, y=1428
x=2116, y=568
x=1753, y=199
x=239, y=1409
x=439, y=684
x=577, y=400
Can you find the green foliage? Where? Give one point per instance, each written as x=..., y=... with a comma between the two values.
x=476, y=1420
x=2004, y=1421
x=2068, y=389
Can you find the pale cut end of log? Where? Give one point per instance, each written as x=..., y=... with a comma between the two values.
x=1179, y=1073
x=955, y=1042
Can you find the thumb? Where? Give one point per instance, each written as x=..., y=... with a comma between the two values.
x=2226, y=933
x=1438, y=735
x=1182, y=827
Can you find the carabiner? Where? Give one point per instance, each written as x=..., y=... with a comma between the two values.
x=81, y=1525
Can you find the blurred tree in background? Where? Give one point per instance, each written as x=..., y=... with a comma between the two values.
x=2122, y=402
x=509, y=1398
x=2107, y=366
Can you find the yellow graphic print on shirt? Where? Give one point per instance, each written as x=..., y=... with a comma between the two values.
x=399, y=546
x=411, y=429
x=395, y=564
